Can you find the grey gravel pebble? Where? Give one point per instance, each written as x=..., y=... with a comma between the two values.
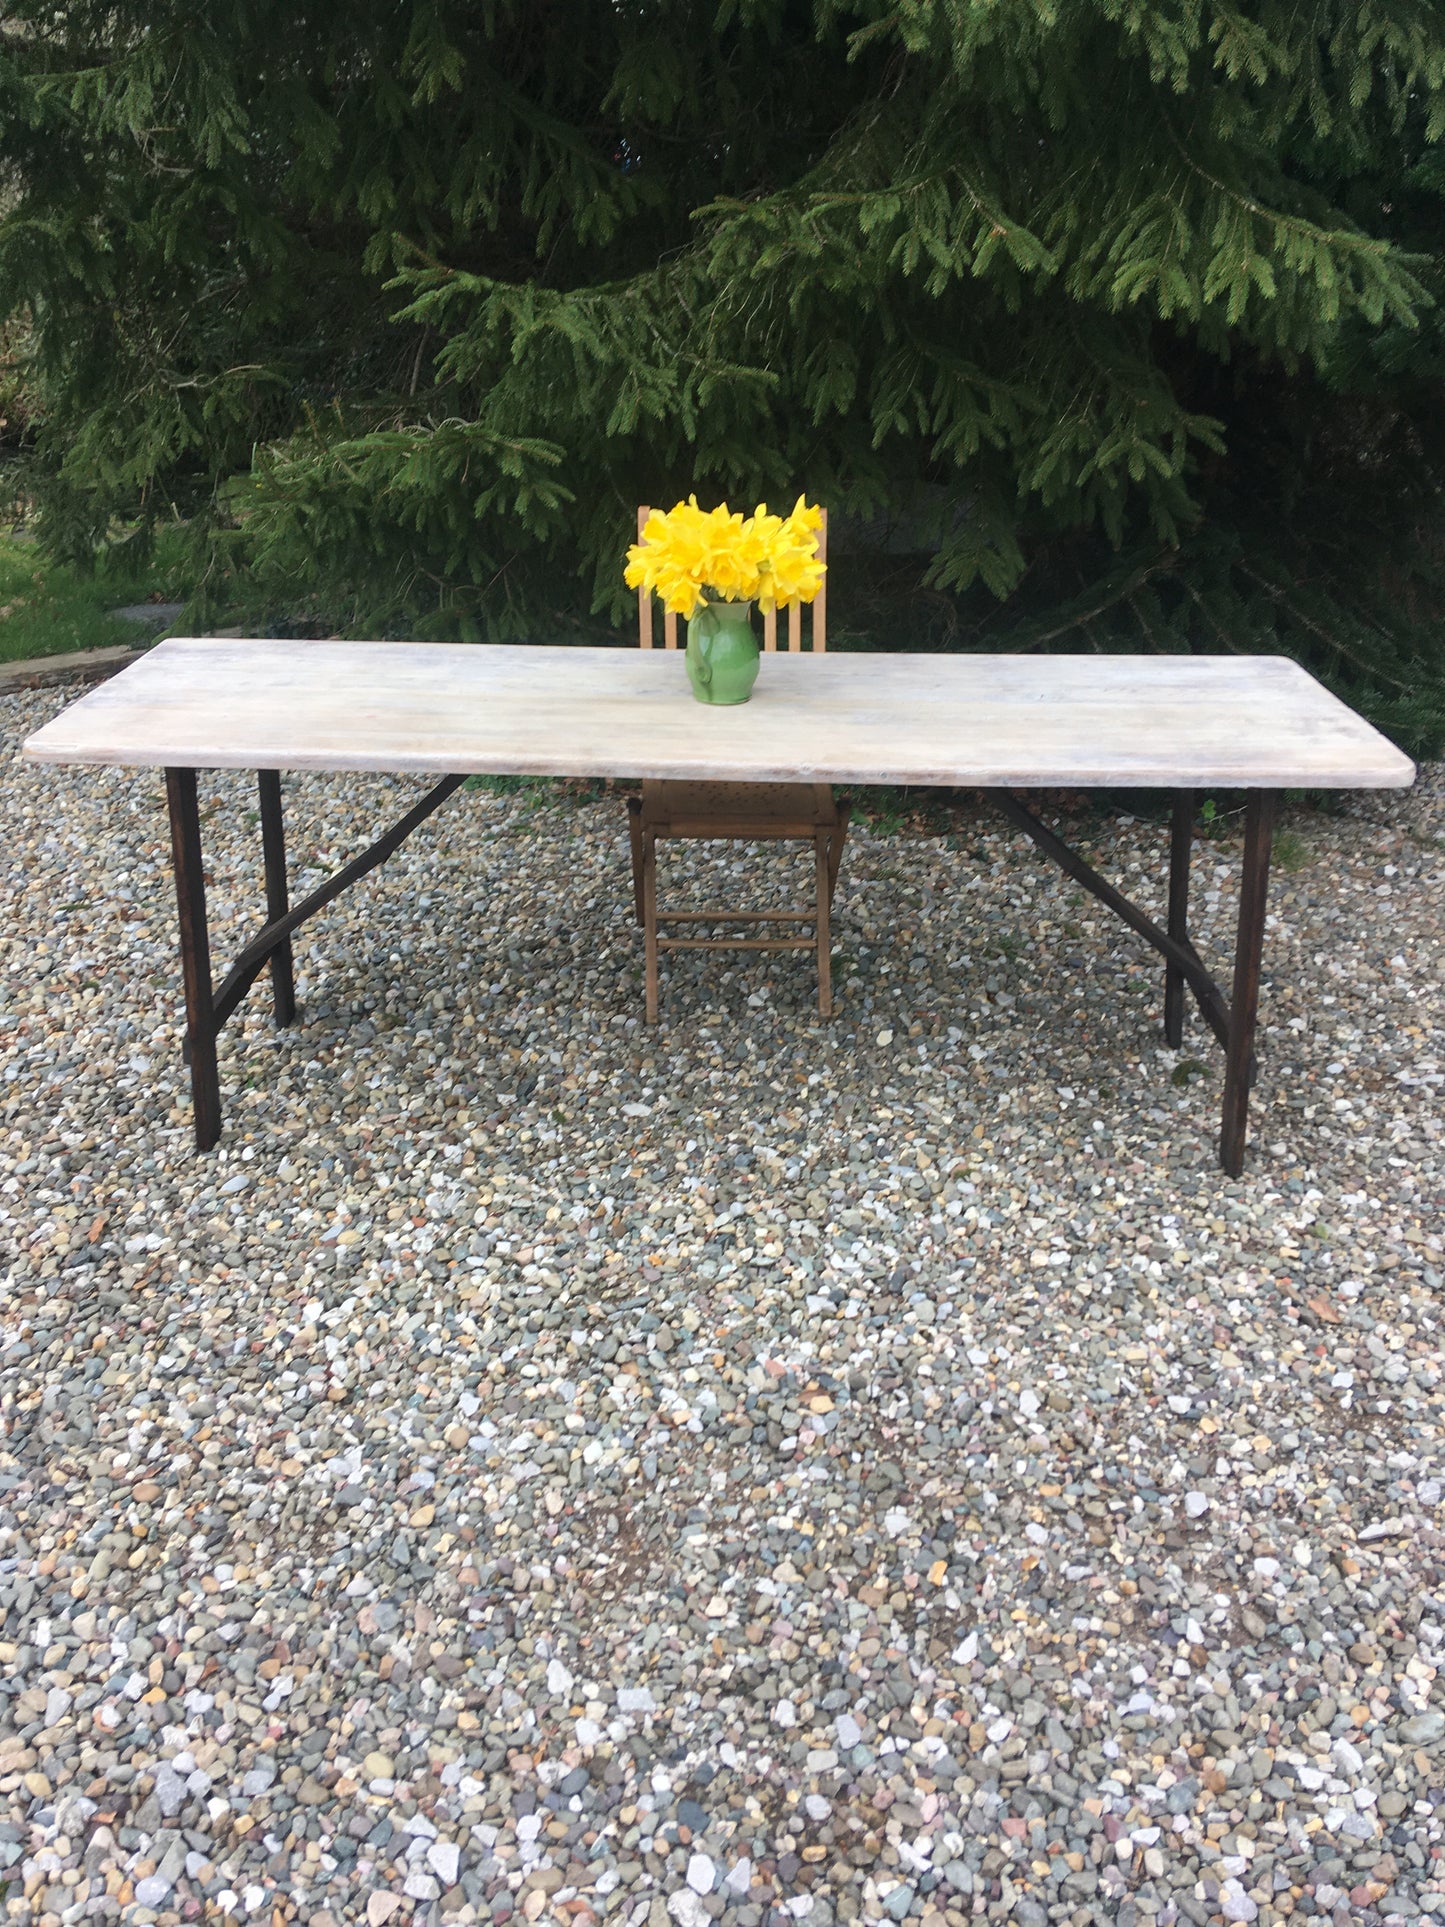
x=755, y=1470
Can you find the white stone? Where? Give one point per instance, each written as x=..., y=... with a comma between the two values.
x=1347, y=1758
x=1196, y=1504
x=1235, y=1903
x=170, y=1789
x=444, y=1859
x=785, y=1713
x=559, y=1680
x=636, y=1699
x=687, y=1910
x=701, y=1874
x=849, y=1732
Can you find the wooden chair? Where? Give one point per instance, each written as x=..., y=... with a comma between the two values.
x=738, y=812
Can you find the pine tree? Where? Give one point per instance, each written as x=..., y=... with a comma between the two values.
x=1097, y=323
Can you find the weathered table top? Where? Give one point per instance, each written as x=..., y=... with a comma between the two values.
x=1164, y=722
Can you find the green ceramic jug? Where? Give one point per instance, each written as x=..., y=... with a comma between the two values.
x=722, y=653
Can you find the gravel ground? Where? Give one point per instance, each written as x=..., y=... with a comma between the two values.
x=757, y=1470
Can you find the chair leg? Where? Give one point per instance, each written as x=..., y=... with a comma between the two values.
x=835, y=847
x=634, y=830
x=823, y=866
x=649, y=918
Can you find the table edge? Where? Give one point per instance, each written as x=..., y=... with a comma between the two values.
x=1379, y=765
x=929, y=777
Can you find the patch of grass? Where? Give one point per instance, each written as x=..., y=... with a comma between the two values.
x=890, y=811
x=884, y=817
x=1291, y=852
x=504, y=785
x=545, y=792
x=1182, y=1072
x=1213, y=823
x=50, y=609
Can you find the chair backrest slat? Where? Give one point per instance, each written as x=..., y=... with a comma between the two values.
x=820, y=600
x=644, y=596
x=818, y=608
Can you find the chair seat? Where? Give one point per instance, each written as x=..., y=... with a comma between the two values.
x=665, y=803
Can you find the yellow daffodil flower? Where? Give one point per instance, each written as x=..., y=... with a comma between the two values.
x=690, y=556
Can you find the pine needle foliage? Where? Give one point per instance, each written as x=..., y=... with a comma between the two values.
x=1096, y=323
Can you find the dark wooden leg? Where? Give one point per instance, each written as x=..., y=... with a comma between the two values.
x=634, y=830
x=278, y=902
x=824, y=889
x=649, y=918
x=835, y=848
x=195, y=955
x=1180, y=845
x=1244, y=1005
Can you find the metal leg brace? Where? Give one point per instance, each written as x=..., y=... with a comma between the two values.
x=1232, y=1020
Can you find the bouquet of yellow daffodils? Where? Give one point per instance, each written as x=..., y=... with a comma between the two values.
x=690, y=557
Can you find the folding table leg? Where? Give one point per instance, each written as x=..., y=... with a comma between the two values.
x=835, y=847
x=195, y=955
x=823, y=931
x=1244, y=1004
x=278, y=902
x=634, y=833
x=649, y=920
x=1180, y=845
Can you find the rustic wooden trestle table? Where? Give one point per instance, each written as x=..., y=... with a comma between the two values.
x=1000, y=723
